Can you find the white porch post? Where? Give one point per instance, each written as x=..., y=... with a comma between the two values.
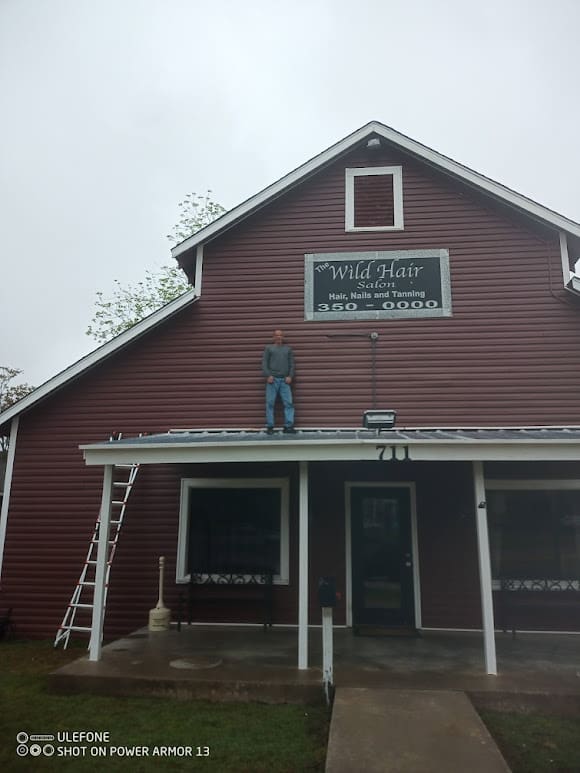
x=303, y=568
x=484, y=569
x=7, y=486
x=101, y=568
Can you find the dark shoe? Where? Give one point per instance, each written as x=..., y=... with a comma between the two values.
x=289, y=430
x=269, y=430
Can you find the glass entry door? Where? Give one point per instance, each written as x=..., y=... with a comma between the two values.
x=382, y=556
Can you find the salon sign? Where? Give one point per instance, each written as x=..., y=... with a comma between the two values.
x=397, y=284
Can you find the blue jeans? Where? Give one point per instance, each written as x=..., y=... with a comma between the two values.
x=279, y=387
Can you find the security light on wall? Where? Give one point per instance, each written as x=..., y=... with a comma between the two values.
x=379, y=419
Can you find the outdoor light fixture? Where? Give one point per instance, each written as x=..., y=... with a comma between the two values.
x=379, y=419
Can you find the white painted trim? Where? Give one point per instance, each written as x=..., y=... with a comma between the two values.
x=198, y=269
x=96, y=640
x=288, y=450
x=188, y=484
x=484, y=560
x=279, y=626
x=303, y=567
x=500, y=630
x=348, y=555
x=104, y=351
x=217, y=430
x=526, y=484
x=416, y=563
x=327, y=649
x=396, y=172
x=566, y=271
x=7, y=487
x=523, y=484
x=429, y=156
x=349, y=485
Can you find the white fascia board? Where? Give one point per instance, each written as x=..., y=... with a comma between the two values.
x=274, y=190
x=478, y=180
x=104, y=351
x=566, y=272
x=357, y=450
x=432, y=157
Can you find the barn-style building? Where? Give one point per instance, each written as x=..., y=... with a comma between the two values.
x=434, y=318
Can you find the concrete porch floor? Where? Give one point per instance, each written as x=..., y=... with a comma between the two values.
x=249, y=663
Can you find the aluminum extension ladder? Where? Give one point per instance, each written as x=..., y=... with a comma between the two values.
x=82, y=600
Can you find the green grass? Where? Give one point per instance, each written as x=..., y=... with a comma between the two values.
x=243, y=738
x=536, y=743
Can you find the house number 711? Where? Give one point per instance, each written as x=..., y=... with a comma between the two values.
x=395, y=457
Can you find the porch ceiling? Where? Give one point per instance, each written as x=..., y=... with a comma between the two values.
x=405, y=444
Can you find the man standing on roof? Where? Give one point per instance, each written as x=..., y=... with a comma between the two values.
x=278, y=370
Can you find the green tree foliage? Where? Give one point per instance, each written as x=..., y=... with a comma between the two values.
x=10, y=394
x=132, y=302
x=195, y=212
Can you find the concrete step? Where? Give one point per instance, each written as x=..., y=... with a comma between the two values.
x=409, y=731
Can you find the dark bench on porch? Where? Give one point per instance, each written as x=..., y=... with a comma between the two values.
x=248, y=588
x=520, y=599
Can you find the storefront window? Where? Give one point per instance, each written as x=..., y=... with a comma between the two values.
x=234, y=530
x=230, y=526
x=534, y=533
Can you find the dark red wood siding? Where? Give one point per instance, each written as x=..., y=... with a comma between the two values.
x=505, y=357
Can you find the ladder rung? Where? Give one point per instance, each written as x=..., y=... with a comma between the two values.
x=93, y=562
x=96, y=541
x=82, y=606
x=118, y=502
x=89, y=583
x=78, y=628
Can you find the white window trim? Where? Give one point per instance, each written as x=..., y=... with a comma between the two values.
x=524, y=484
x=397, y=174
x=189, y=484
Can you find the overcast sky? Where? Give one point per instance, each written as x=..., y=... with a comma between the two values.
x=112, y=111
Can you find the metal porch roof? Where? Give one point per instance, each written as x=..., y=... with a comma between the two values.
x=428, y=443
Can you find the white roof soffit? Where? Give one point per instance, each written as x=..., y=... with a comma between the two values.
x=104, y=351
x=380, y=449
x=432, y=157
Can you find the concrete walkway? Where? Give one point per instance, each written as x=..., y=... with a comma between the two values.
x=409, y=731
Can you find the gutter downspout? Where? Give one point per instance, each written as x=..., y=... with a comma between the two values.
x=7, y=486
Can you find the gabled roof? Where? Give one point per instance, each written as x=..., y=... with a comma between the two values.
x=239, y=213
x=98, y=355
x=422, y=152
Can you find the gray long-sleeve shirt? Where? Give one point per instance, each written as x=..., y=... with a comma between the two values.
x=278, y=361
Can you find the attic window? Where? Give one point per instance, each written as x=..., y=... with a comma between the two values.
x=374, y=199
